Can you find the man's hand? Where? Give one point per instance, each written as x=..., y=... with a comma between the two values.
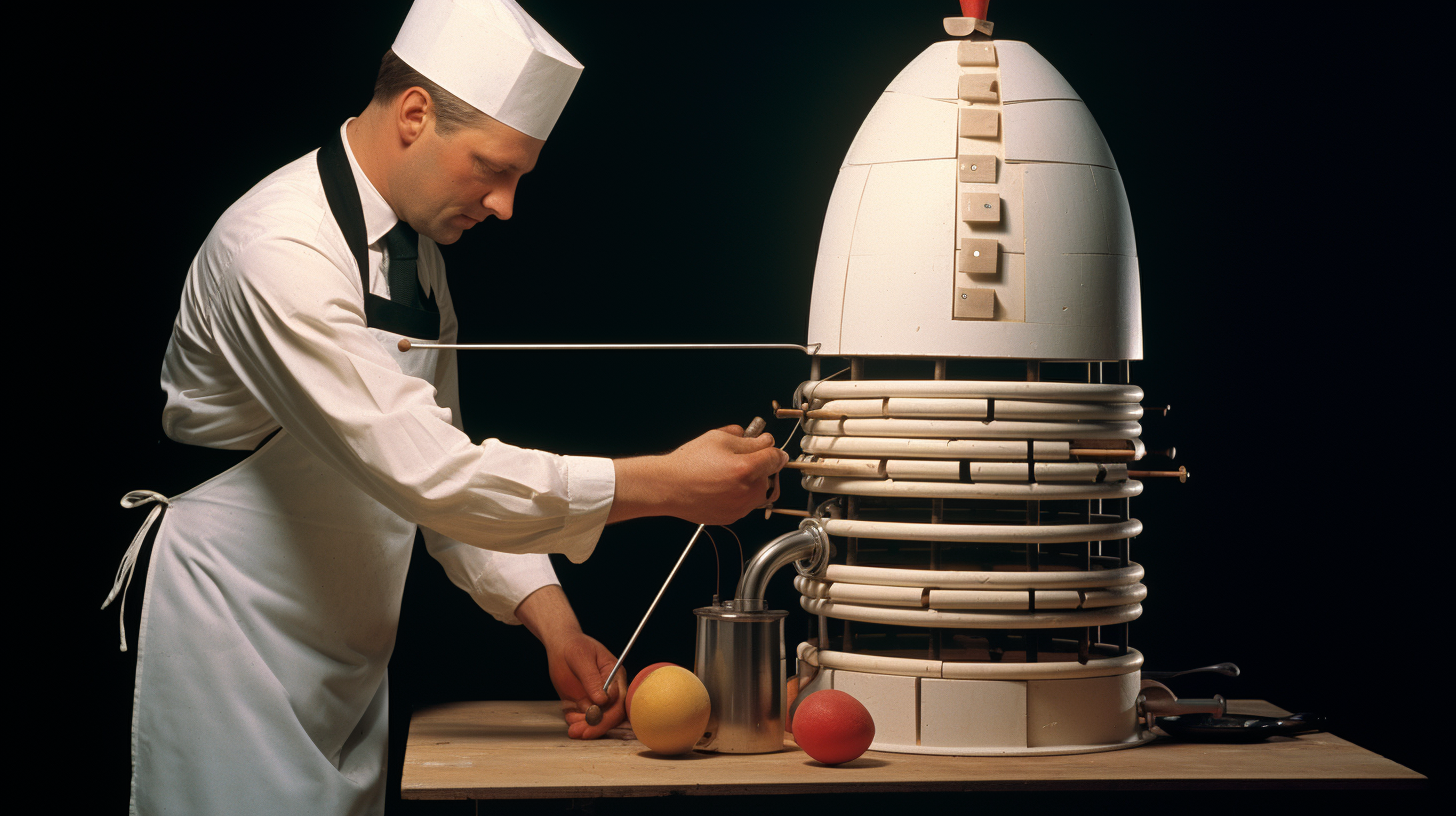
x=577, y=664
x=717, y=478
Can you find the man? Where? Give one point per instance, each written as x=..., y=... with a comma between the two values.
x=274, y=589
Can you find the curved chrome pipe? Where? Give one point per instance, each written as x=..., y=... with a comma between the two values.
x=775, y=555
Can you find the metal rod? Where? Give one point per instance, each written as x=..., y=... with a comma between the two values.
x=643, y=622
x=1181, y=474
x=594, y=712
x=406, y=344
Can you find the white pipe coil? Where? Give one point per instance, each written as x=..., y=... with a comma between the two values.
x=970, y=429
x=933, y=448
x=1011, y=491
x=910, y=408
x=934, y=618
x=950, y=471
x=983, y=533
x=964, y=670
x=926, y=598
x=1048, y=599
x=970, y=389
x=969, y=579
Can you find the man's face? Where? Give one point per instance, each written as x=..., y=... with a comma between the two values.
x=451, y=183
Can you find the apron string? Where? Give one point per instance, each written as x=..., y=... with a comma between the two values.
x=124, y=572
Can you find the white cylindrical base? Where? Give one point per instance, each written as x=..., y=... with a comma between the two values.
x=927, y=715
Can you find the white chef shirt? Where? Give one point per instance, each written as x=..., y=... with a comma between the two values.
x=271, y=330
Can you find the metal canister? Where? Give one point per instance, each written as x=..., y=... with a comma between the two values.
x=740, y=658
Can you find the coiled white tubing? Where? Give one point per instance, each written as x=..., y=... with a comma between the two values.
x=1012, y=491
x=1097, y=666
x=970, y=429
x=991, y=599
x=980, y=409
x=969, y=389
x=976, y=579
x=897, y=439
x=935, y=618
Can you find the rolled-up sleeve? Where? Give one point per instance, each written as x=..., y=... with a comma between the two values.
x=290, y=322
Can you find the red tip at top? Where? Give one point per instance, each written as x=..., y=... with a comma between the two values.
x=974, y=8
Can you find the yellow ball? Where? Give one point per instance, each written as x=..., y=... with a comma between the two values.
x=670, y=710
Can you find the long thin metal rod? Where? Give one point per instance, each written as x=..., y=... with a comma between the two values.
x=670, y=576
x=594, y=712
x=406, y=345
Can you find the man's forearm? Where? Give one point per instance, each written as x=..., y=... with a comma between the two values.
x=716, y=478
x=548, y=615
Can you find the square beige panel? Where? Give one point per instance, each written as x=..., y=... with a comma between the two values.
x=975, y=52
x=907, y=208
x=980, y=123
x=1009, y=284
x=979, y=207
x=890, y=700
x=973, y=303
x=978, y=87
x=986, y=714
x=976, y=169
x=978, y=256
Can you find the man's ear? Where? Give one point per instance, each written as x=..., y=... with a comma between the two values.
x=414, y=110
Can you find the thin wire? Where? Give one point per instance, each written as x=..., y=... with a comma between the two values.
x=740, y=556
x=787, y=439
x=717, y=566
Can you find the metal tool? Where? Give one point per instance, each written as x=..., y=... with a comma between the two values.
x=594, y=712
x=1227, y=669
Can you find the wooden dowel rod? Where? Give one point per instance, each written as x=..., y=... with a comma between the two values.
x=1181, y=474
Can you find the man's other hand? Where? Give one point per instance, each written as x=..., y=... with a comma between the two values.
x=717, y=478
x=578, y=665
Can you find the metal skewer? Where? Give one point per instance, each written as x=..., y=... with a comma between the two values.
x=594, y=712
x=405, y=344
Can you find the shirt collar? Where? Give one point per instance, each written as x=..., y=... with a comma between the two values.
x=378, y=217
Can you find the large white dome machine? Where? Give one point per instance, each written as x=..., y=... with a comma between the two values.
x=967, y=553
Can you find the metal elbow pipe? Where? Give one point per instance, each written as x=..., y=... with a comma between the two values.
x=774, y=556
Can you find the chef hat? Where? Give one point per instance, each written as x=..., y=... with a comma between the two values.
x=492, y=55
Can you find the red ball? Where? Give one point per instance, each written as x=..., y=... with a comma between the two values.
x=833, y=727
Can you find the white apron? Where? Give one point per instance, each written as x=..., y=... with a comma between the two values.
x=269, y=616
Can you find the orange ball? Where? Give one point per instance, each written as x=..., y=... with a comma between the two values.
x=670, y=710
x=637, y=681
x=833, y=727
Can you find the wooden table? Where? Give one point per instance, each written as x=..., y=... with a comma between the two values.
x=519, y=750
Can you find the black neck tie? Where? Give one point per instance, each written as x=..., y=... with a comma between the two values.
x=403, y=243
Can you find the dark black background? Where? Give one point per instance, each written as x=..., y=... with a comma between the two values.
x=680, y=198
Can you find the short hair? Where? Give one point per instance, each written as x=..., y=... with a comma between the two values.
x=451, y=112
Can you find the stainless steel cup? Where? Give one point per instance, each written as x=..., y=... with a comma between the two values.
x=740, y=658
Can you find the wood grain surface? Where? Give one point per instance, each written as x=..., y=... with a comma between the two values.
x=519, y=750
